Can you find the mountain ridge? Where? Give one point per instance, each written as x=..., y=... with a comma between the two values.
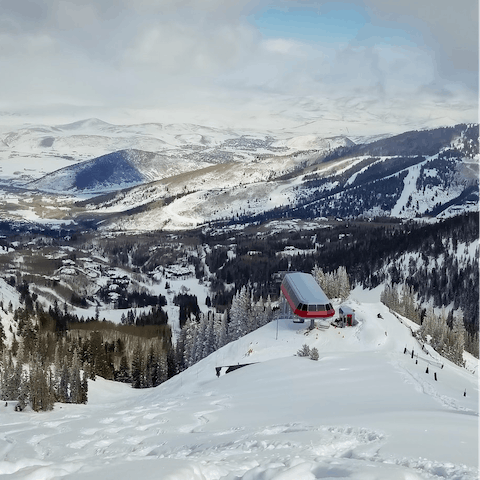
x=253, y=178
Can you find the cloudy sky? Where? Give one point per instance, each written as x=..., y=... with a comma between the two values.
x=352, y=66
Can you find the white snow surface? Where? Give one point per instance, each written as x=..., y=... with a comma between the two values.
x=364, y=410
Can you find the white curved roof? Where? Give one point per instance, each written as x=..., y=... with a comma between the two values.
x=307, y=289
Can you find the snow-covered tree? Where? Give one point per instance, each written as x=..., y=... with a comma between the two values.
x=320, y=278
x=343, y=283
x=304, y=351
x=221, y=333
x=39, y=394
x=240, y=312
x=208, y=334
x=335, y=284
x=459, y=334
x=190, y=342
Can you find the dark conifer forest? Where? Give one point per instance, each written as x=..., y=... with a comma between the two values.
x=243, y=272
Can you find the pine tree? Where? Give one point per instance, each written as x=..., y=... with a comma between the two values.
x=138, y=367
x=221, y=335
x=84, y=396
x=190, y=342
x=319, y=276
x=343, y=283
x=75, y=380
x=304, y=351
x=2, y=336
x=314, y=354
x=208, y=335
x=162, y=367
x=23, y=392
x=239, y=314
x=63, y=384
x=459, y=333
x=39, y=393
x=10, y=382
x=123, y=373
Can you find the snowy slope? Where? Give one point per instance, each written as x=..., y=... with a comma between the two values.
x=365, y=410
x=202, y=174
x=29, y=152
x=114, y=171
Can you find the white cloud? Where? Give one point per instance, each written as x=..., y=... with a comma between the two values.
x=202, y=57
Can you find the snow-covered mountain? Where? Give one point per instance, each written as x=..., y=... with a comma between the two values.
x=440, y=180
x=198, y=175
x=111, y=172
x=365, y=409
x=30, y=152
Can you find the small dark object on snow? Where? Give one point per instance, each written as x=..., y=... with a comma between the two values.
x=465, y=393
x=426, y=371
x=379, y=315
x=435, y=376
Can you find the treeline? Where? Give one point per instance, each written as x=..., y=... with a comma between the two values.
x=37, y=371
x=204, y=334
x=442, y=268
x=446, y=333
x=52, y=355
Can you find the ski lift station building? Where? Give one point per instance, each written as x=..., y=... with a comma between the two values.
x=305, y=297
x=346, y=316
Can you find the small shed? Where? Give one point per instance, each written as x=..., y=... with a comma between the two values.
x=346, y=316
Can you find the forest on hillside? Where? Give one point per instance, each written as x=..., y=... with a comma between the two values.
x=53, y=351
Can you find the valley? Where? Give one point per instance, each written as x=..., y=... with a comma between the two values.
x=146, y=256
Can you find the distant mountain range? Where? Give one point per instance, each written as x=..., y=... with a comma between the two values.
x=182, y=176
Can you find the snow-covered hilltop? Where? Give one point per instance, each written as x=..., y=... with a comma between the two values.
x=365, y=409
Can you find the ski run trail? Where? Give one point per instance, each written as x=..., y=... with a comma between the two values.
x=365, y=410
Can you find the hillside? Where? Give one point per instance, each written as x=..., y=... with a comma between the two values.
x=363, y=410
x=200, y=175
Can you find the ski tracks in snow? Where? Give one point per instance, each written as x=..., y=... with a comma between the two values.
x=204, y=441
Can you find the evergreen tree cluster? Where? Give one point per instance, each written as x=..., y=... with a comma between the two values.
x=447, y=340
x=335, y=284
x=205, y=334
x=306, y=351
x=445, y=333
x=51, y=359
x=403, y=303
x=199, y=338
x=156, y=316
x=188, y=306
x=148, y=367
x=246, y=315
x=122, y=295
x=38, y=372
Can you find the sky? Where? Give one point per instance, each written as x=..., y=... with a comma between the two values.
x=310, y=65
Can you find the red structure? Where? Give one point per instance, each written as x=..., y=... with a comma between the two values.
x=305, y=297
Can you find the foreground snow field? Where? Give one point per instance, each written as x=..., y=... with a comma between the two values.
x=364, y=410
